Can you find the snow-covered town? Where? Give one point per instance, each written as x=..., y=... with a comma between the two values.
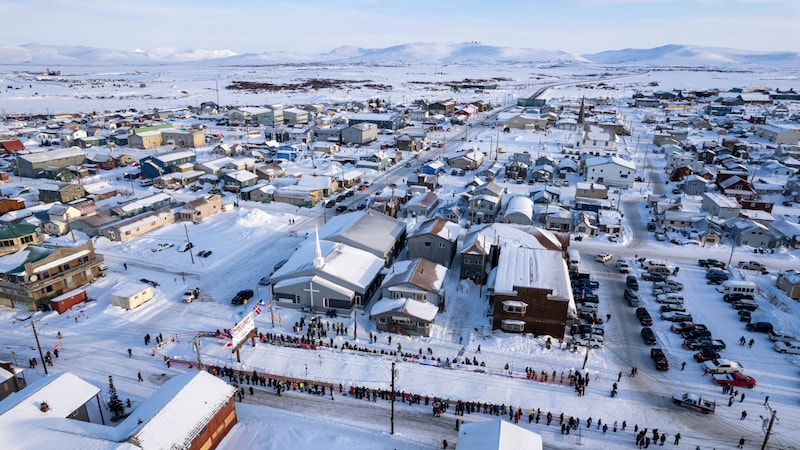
x=548, y=253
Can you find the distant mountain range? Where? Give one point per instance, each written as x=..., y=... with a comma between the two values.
x=416, y=53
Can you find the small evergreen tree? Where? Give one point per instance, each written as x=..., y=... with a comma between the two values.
x=114, y=403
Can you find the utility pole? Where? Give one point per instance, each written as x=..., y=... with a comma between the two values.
x=36, y=336
x=188, y=242
x=392, y=417
x=197, y=350
x=769, y=430
x=586, y=358
x=355, y=322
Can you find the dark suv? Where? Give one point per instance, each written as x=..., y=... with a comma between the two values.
x=644, y=317
x=632, y=283
x=648, y=336
x=242, y=297
x=762, y=327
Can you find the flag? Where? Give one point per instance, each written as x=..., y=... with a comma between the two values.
x=257, y=309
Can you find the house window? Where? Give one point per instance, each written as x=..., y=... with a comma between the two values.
x=515, y=307
x=420, y=297
x=441, y=244
x=396, y=294
x=427, y=244
x=512, y=325
x=382, y=320
x=325, y=302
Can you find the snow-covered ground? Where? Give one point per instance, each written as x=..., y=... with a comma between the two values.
x=249, y=239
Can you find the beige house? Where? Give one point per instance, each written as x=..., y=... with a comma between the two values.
x=46, y=272
x=360, y=133
x=591, y=190
x=298, y=196
x=16, y=236
x=184, y=138
x=197, y=210
x=145, y=139
x=126, y=230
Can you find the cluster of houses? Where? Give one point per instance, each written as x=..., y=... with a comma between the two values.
x=351, y=262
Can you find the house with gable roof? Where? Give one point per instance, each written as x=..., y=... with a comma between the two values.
x=610, y=170
x=411, y=297
x=435, y=240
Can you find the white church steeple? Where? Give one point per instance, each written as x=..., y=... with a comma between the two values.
x=319, y=261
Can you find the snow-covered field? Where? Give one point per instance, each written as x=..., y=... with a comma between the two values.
x=249, y=239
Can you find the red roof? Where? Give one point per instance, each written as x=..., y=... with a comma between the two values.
x=12, y=146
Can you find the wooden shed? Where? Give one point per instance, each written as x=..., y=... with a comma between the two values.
x=131, y=297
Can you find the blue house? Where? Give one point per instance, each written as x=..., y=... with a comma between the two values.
x=157, y=165
x=288, y=153
x=432, y=168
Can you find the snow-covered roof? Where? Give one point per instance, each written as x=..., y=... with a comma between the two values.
x=497, y=434
x=52, y=154
x=419, y=272
x=520, y=204
x=438, y=226
x=369, y=230
x=170, y=419
x=346, y=266
x=421, y=310
x=533, y=268
x=600, y=160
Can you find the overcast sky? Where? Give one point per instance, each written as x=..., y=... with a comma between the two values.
x=316, y=26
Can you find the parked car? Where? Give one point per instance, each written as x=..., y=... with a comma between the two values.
x=341, y=208
x=632, y=283
x=749, y=305
x=623, y=266
x=672, y=284
x=670, y=298
x=745, y=315
x=753, y=265
x=760, y=327
x=659, y=358
x=735, y=379
x=653, y=276
x=723, y=366
x=792, y=347
x=330, y=203
x=717, y=277
x=676, y=316
x=648, y=336
x=644, y=317
x=665, y=290
x=631, y=297
x=670, y=308
x=696, y=344
x=604, y=257
x=242, y=297
x=777, y=336
x=695, y=333
x=264, y=281
x=705, y=354
x=594, y=341
x=162, y=246
x=730, y=298
x=684, y=327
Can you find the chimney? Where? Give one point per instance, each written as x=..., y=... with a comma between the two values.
x=44, y=407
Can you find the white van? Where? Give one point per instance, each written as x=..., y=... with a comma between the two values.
x=651, y=264
x=573, y=259
x=737, y=287
x=146, y=182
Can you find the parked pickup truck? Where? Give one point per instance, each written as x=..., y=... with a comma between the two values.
x=694, y=401
x=695, y=344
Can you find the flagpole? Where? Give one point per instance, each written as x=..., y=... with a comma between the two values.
x=271, y=314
